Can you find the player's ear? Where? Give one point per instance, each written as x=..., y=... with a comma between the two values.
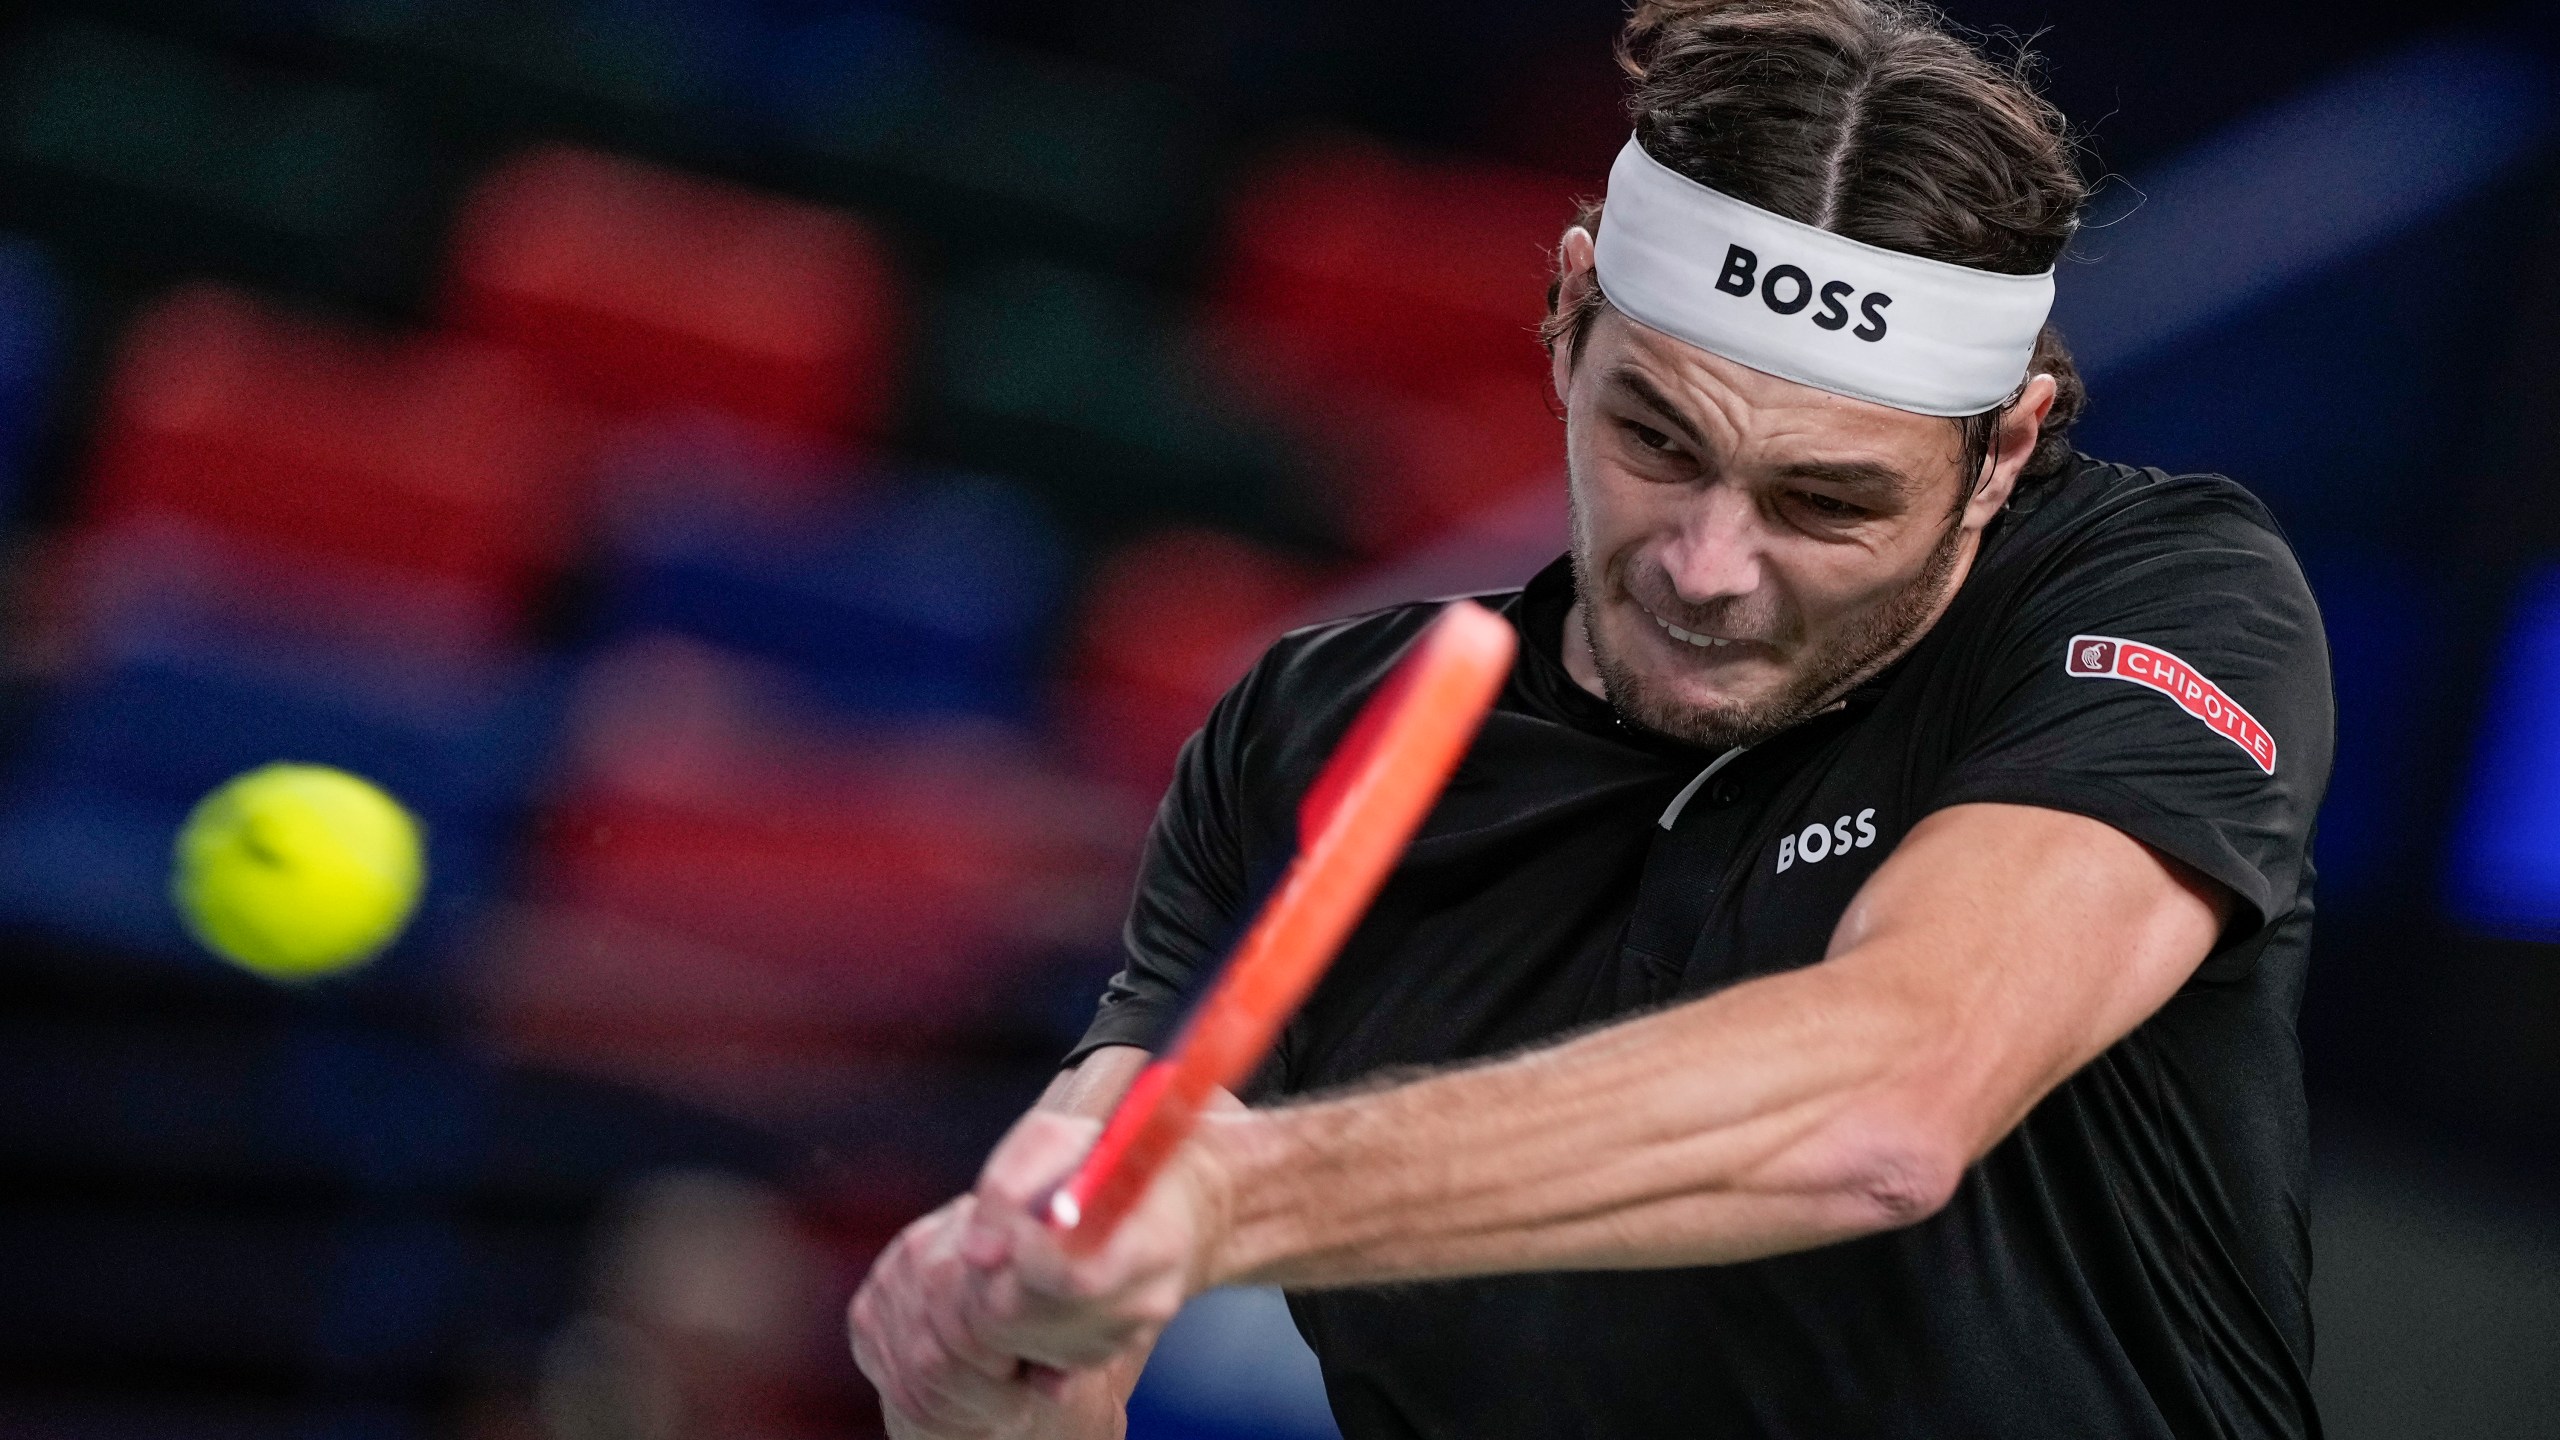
x=2012, y=446
x=1574, y=258
x=1575, y=280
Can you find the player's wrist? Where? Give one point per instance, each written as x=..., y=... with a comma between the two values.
x=1246, y=1157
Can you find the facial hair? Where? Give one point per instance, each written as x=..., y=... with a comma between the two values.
x=1856, y=652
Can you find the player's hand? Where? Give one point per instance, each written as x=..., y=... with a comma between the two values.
x=936, y=1381
x=1032, y=1298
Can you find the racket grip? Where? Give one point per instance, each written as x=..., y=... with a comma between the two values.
x=1142, y=1133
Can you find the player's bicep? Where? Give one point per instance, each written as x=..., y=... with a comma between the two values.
x=2028, y=940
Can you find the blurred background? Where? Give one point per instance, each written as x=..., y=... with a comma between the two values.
x=772, y=482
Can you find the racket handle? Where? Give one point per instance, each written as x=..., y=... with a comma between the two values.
x=1149, y=1124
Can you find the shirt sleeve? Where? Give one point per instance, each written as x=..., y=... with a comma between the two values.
x=2166, y=675
x=1190, y=888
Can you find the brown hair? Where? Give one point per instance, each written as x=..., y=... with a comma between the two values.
x=1870, y=119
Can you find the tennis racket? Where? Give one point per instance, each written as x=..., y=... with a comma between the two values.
x=1353, y=826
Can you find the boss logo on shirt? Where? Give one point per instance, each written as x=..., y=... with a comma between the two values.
x=1816, y=843
x=1787, y=290
x=2106, y=657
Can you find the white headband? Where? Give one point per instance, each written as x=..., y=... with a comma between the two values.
x=1807, y=305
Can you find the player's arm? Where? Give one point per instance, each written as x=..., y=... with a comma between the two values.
x=1998, y=949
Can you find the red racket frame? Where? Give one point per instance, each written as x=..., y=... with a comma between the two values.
x=1352, y=828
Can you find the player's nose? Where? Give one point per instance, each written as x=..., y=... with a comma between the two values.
x=1718, y=552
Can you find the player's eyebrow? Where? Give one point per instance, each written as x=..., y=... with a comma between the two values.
x=1636, y=383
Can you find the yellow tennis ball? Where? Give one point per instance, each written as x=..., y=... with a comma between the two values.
x=298, y=871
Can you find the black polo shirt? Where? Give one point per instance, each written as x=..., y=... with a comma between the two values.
x=2132, y=1261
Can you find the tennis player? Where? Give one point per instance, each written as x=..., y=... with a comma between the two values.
x=1849, y=988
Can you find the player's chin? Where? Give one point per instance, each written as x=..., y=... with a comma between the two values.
x=1707, y=708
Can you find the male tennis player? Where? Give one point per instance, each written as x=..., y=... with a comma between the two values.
x=1849, y=987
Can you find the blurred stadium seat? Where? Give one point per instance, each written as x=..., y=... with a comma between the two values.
x=441, y=456
x=1166, y=624
x=1351, y=265
x=151, y=566
x=163, y=714
x=909, y=598
x=733, y=876
x=1386, y=305
x=1231, y=1367
x=642, y=290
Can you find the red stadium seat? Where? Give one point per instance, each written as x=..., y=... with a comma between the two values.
x=1167, y=625
x=1365, y=269
x=439, y=456
x=641, y=289
x=854, y=887
x=1389, y=306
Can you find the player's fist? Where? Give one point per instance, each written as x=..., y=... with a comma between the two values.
x=936, y=1381
x=1066, y=1311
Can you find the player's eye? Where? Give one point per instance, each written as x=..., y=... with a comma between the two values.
x=1828, y=507
x=1651, y=439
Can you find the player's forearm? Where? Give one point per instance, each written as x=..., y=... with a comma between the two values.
x=1770, y=1117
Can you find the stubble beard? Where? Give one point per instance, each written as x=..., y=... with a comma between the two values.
x=1857, y=652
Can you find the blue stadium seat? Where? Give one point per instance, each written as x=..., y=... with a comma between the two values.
x=114, y=761
x=929, y=598
x=175, y=709
x=89, y=863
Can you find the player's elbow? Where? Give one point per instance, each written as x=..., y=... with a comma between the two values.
x=1906, y=1187
x=1893, y=1174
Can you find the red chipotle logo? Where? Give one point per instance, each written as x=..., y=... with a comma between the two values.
x=2157, y=668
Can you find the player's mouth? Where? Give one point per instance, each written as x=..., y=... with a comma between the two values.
x=1690, y=637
